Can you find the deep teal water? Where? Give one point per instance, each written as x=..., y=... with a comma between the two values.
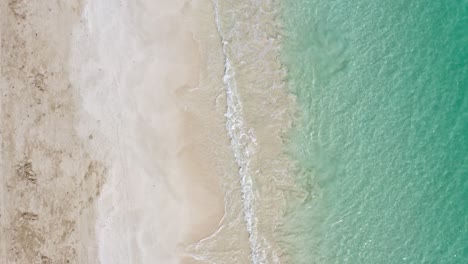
x=382, y=142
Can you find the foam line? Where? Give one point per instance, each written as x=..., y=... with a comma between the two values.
x=243, y=144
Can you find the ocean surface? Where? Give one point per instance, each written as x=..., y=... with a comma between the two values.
x=381, y=141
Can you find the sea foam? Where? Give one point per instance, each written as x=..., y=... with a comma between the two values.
x=243, y=144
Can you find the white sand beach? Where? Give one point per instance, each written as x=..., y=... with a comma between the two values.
x=113, y=131
x=140, y=132
x=157, y=106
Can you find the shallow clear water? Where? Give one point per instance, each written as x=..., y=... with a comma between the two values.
x=382, y=142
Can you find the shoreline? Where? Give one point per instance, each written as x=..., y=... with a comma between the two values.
x=167, y=163
x=259, y=115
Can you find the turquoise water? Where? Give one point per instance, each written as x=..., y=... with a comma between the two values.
x=382, y=143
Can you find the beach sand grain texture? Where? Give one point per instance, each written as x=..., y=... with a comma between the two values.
x=48, y=180
x=113, y=137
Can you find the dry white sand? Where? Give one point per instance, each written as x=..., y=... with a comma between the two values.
x=113, y=131
x=163, y=192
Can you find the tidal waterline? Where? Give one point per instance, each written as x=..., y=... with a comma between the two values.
x=382, y=138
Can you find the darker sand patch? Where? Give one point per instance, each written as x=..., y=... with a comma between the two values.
x=48, y=181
